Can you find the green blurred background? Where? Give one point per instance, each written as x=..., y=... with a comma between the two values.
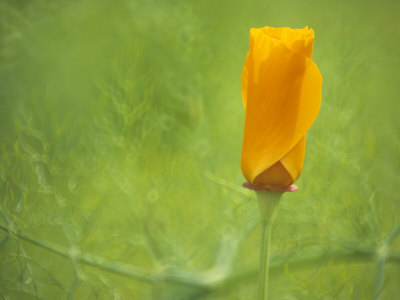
x=121, y=125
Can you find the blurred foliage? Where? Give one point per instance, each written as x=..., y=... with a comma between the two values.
x=121, y=126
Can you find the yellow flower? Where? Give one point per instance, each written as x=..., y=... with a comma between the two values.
x=281, y=89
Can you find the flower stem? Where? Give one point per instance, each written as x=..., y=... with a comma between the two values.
x=380, y=279
x=268, y=202
x=382, y=256
x=264, y=260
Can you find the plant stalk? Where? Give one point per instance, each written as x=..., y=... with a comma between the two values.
x=264, y=261
x=268, y=202
x=382, y=256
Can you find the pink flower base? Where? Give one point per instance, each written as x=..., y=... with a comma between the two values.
x=291, y=188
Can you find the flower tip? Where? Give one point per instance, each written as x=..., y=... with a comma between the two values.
x=291, y=188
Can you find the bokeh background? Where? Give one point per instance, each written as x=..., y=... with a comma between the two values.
x=121, y=125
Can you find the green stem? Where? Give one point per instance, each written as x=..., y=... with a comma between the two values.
x=264, y=260
x=382, y=253
x=380, y=279
x=267, y=202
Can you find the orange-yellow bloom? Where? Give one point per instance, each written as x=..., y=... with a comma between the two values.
x=281, y=89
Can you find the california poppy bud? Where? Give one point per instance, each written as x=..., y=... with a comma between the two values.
x=281, y=89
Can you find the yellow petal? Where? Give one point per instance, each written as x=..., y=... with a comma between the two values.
x=286, y=171
x=298, y=40
x=275, y=176
x=294, y=159
x=282, y=94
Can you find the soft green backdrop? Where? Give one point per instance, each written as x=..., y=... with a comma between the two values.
x=121, y=126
